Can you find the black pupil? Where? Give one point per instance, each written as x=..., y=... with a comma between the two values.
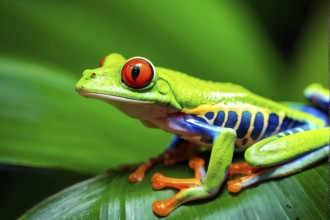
x=135, y=72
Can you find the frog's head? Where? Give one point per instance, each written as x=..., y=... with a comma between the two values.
x=131, y=85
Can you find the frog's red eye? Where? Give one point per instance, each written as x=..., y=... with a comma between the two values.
x=137, y=73
x=102, y=61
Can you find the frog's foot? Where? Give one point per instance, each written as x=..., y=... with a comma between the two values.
x=159, y=182
x=139, y=173
x=197, y=164
x=241, y=169
x=180, y=153
x=246, y=169
x=190, y=188
x=236, y=185
x=140, y=170
x=163, y=208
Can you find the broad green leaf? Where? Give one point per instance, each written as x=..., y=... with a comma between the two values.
x=112, y=197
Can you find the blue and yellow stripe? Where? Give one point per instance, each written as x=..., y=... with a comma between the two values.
x=251, y=123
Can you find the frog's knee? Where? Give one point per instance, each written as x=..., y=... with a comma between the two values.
x=251, y=157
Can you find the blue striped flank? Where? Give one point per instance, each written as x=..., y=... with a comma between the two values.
x=244, y=124
x=231, y=120
x=273, y=122
x=257, y=125
x=220, y=118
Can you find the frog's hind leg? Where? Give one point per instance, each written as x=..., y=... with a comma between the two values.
x=282, y=155
x=285, y=169
x=318, y=95
x=311, y=110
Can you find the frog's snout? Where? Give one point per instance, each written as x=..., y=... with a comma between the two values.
x=79, y=87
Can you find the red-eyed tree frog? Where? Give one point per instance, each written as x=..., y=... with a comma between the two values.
x=279, y=139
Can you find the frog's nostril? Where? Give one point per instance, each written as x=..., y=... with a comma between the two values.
x=93, y=75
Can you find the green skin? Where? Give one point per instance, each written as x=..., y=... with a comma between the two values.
x=172, y=92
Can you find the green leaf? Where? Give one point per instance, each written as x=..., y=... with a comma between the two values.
x=113, y=197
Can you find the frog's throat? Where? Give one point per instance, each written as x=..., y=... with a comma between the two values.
x=111, y=98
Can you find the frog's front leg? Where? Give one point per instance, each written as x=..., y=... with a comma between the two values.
x=220, y=160
x=281, y=155
x=178, y=150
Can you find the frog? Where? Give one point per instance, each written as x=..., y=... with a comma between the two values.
x=277, y=139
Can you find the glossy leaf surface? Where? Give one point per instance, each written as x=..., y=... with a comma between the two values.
x=113, y=197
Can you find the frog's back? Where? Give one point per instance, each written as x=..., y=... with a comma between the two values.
x=190, y=92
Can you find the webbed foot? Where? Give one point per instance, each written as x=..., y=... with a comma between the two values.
x=187, y=187
x=245, y=169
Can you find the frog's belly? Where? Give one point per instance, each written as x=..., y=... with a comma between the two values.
x=177, y=125
x=206, y=142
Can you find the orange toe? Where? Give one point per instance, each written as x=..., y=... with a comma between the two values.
x=135, y=177
x=234, y=186
x=241, y=169
x=163, y=208
x=159, y=182
x=139, y=173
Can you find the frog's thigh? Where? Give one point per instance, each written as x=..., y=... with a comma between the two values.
x=282, y=155
x=286, y=146
x=285, y=169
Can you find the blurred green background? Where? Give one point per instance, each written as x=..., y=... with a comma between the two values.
x=274, y=48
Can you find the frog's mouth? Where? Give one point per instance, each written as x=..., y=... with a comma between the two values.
x=143, y=110
x=111, y=98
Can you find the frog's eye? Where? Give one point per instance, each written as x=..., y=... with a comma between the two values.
x=137, y=73
x=102, y=61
